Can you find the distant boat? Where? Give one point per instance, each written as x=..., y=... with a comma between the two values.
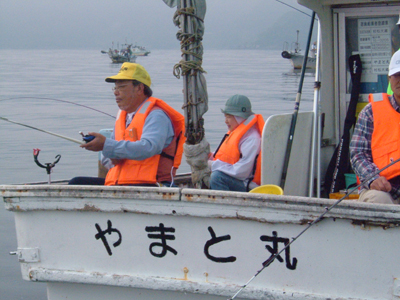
x=296, y=58
x=140, y=50
x=125, y=54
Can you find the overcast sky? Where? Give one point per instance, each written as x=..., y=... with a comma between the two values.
x=95, y=24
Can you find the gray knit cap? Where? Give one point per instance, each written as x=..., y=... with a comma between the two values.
x=238, y=105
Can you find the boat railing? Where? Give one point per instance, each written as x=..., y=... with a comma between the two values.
x=97, y=198
x=295, y=47
x=285, y=46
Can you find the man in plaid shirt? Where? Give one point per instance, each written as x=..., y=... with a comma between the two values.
x=376, y=143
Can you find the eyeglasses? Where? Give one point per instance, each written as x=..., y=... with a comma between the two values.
x=118, y=88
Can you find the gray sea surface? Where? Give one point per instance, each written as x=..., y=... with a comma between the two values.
x=36, y=86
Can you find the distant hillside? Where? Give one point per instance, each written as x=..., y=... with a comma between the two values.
x=269, y=35
x=282, y=31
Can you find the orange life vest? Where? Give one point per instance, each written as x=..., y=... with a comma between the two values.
x=229, y=152
x=158, y=167
x=385, y=141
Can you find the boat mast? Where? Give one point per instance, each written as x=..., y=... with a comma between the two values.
x=189, y=18
x=192, y=52
x=297, y=46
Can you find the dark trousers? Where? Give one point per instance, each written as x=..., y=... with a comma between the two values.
x=87, y=181
x=82, y=180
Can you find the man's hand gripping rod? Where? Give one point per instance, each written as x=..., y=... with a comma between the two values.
x=327, y=209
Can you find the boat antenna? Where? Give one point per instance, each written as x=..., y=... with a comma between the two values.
x=293, y=7
x=65, y=101
x=45, y=131
x=310, y=224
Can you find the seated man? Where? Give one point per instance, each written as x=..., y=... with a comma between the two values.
x=147, y=144
x=235, y=166
x=375, y=143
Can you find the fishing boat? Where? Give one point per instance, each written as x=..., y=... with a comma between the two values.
x=296, y=57
x=140, y=50
x=102, y=242
x=125, y=54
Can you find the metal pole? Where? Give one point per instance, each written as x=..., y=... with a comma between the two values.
x=316, y=145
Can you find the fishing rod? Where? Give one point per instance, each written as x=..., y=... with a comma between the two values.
x=45, y=131
x=310, y=224
x=65, y=101
x=340, y=161
x=296, y=107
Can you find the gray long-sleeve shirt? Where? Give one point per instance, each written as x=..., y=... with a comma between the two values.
x=157, y=134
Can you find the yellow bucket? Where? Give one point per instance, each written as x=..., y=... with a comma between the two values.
x=268, y=189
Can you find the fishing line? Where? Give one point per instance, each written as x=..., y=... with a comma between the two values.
x=45, y=131
x=327, y=209
x=293, y=7
x=65, y=101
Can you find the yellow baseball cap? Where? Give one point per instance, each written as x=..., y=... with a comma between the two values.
x=131, y=71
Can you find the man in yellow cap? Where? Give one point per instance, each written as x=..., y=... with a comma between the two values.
x=147, y=143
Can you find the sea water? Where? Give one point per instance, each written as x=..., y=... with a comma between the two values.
x=36, y=86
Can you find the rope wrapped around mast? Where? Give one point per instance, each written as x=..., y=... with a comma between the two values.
x=189, y=18
x=190, y=45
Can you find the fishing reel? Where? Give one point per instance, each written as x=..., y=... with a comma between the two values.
x=47, y=166
x=86, y=138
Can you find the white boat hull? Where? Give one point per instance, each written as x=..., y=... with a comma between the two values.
x=140, y=53
x=62, y=233
x=297, y=60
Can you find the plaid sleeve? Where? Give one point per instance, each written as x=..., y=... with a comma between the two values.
x=360, y=146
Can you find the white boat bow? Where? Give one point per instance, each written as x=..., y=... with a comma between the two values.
x=190, y=241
